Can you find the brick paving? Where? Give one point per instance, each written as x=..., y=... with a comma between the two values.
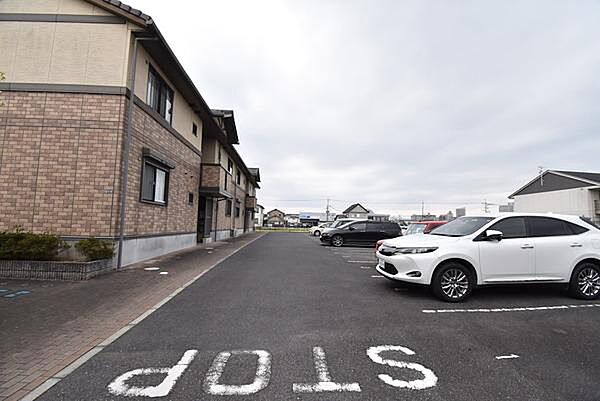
x=43, y=332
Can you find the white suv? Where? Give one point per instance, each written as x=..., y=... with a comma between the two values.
x=509, y=248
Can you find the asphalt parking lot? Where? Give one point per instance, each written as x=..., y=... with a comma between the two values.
x=287, y=318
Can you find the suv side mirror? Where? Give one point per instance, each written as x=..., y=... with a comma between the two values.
x=351, y=228
x=493, y=235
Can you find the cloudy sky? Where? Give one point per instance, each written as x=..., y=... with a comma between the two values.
x=390, y=103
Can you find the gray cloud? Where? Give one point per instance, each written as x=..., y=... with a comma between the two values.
x=394, y=102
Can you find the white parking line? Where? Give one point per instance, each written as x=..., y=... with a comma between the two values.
x=365, y=267
x=519, y=309
x=360, y=261
x=377, y=276
x=511, y=356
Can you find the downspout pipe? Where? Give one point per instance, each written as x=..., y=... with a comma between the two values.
x=126, y=150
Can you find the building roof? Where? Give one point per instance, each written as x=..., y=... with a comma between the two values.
x=160, y=51
x=255, y=171
x=352, y=207
x=229, y=124
x=556, y=180
x=592, y=177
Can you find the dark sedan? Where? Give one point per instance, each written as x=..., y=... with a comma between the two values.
x=361, y=233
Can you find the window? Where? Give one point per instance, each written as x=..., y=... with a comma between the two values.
x=512, y=227
x=194, y=129
x=219, y=155
x=228, y=206
x=548, y=227
x=238, y=178
x=155, y=183
x=159, y=96
x=237, y=209
x=191, y=198
x=359, y=226
x=230, y=166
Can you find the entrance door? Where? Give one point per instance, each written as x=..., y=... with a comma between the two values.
x=205, y=207
x=201, y=218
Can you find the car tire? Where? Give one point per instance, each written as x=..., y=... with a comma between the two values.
x=317, y=233
x=453, y=282
x=585, y=281
x=337, y=240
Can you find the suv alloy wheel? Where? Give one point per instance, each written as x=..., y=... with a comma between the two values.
x=585, y=281
x=453, y=282
x=337, y=240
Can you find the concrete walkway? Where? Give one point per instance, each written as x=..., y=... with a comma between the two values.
x=57, y=322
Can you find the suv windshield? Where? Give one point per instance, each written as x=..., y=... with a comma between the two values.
x=462, y=226
x=339, y=223
x=415, y=229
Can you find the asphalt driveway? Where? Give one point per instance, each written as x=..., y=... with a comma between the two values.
x=286, y=319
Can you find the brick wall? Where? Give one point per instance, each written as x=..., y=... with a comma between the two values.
x=60, y=157
x=59, y=162
x=178, y=215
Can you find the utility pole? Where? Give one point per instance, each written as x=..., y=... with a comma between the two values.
x=485, y=206
x=541, y=173
x=422, y=210
x=327, y=210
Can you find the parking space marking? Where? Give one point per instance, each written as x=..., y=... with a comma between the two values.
x=511, y=356
x=365, y=267
x=518, y=309
x=377, y=276
x=360, y=261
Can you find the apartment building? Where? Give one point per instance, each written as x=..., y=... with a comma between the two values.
x=103, y=133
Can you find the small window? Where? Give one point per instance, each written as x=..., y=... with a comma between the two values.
x=194, y=129
x=230, y=166
x=155, y=183
x=159, y=95
x=512, y=227
x=228, y=206
x=575, y=228
x=191, y=198
x=547, y=227
x=237, y=209
x=238, y=178
x=359, y=226
x=219, y=156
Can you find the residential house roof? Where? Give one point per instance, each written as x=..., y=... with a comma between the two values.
x=354, y=206
x=556, y=180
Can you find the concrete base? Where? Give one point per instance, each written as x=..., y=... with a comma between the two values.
x=138, y=249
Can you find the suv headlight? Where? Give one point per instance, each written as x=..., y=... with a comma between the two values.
x=413, y=250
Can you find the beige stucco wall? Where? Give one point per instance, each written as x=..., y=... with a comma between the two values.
x=183, y=115
x=77, y=7
x=64, y=53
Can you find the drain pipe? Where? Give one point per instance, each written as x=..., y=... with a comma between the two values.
x=126, y=149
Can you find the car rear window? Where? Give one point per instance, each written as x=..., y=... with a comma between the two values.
x=550, y=227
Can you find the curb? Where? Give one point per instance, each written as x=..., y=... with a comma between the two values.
x=41, y=389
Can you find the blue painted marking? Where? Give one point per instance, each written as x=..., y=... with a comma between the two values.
x=17, y=294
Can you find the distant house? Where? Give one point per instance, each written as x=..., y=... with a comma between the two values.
x=358, y=211
x=259, y=220
x=291, y=220
x=567, y=192
x=275, y=218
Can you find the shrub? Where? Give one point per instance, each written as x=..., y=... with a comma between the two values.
x=22, y=245
x=95, y=249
